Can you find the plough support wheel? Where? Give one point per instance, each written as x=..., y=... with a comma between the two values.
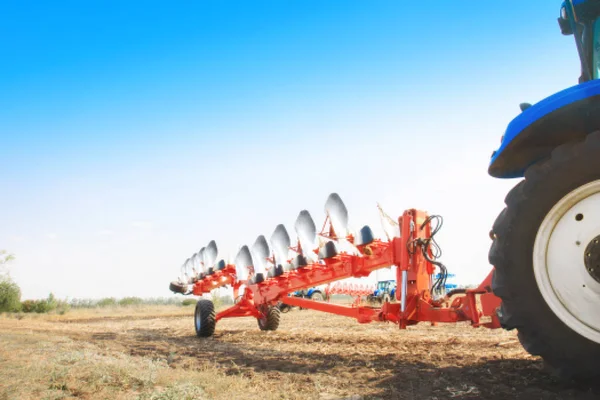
x=204, y=318
x=270, y=319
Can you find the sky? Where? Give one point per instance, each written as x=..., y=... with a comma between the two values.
x=133, y=133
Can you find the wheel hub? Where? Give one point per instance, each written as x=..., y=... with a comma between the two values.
x=592, y=258
x=566, y=260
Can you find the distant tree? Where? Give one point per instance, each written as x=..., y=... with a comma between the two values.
x=5, y=258
x=131, y=301
x=107, y=302
x=10, y=293
x=10, y=296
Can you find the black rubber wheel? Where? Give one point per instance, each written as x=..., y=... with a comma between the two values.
x=283, y=307
x=317, y=296
x=204, y=318
x=177, y=287
x=270, y=322
x=567, y=353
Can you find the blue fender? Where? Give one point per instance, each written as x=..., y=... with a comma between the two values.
x=566, y=116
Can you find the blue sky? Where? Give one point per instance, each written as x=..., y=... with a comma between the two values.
x=132, y=133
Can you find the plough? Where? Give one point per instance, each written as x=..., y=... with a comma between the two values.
x=350, y=289
x=269, y=273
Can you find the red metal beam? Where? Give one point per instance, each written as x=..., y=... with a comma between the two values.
x=361, y=314
x=340, y=267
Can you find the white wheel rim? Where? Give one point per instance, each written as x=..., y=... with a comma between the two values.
x=558, y=260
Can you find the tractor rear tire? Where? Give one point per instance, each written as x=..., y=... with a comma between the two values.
x=530, y=268
x=283, y=307
x=270, y=321
x=204, y=318
x=317, y=296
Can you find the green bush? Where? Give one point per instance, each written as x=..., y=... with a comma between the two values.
x=45, y=306
x=62, y=307
x=189, y=302
x=10, y=296
x=130, y=301
x=28, y=306
x=107, y=302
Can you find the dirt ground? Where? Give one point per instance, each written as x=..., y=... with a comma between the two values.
x=311, y=356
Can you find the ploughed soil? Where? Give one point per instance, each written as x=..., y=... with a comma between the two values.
x=317, y=356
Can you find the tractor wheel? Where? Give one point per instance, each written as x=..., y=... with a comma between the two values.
x=270, y=322
x=385, y=298
x=204, y=318
x=283, y=307
x=546, y=254
x=317, y=296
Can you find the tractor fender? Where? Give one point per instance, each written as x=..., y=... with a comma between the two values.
x=566, y=116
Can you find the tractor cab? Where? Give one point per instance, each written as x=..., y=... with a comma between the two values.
x=385, y=287
x=581, y=19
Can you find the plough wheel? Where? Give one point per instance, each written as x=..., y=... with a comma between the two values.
x=270, y=321
x=177, y=287
x=204, y=318
x=546, y=254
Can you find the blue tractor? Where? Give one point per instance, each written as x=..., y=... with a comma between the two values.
x=314, y=293
x=384, y=293
x=546, y=242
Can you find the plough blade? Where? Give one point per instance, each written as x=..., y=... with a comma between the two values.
x=307, y=236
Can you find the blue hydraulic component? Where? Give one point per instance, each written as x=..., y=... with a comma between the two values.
x=566, y=116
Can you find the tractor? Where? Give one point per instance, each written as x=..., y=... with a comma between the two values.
x=384, y=293
x=545, y=251
x=314, y=293
x=546, y=242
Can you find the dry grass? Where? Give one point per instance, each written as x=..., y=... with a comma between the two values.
x=115, y=312
x=154, y=354
x=36, y=366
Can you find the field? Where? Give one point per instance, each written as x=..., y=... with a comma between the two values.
x=153, y=353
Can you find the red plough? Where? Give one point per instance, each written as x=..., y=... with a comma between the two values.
x=268, y=274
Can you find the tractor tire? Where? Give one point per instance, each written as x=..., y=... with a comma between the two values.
x=545, y=257
x=317, y=296
x=283, y=307
x=385, y=299
x=204, y=318
x=271, y=320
